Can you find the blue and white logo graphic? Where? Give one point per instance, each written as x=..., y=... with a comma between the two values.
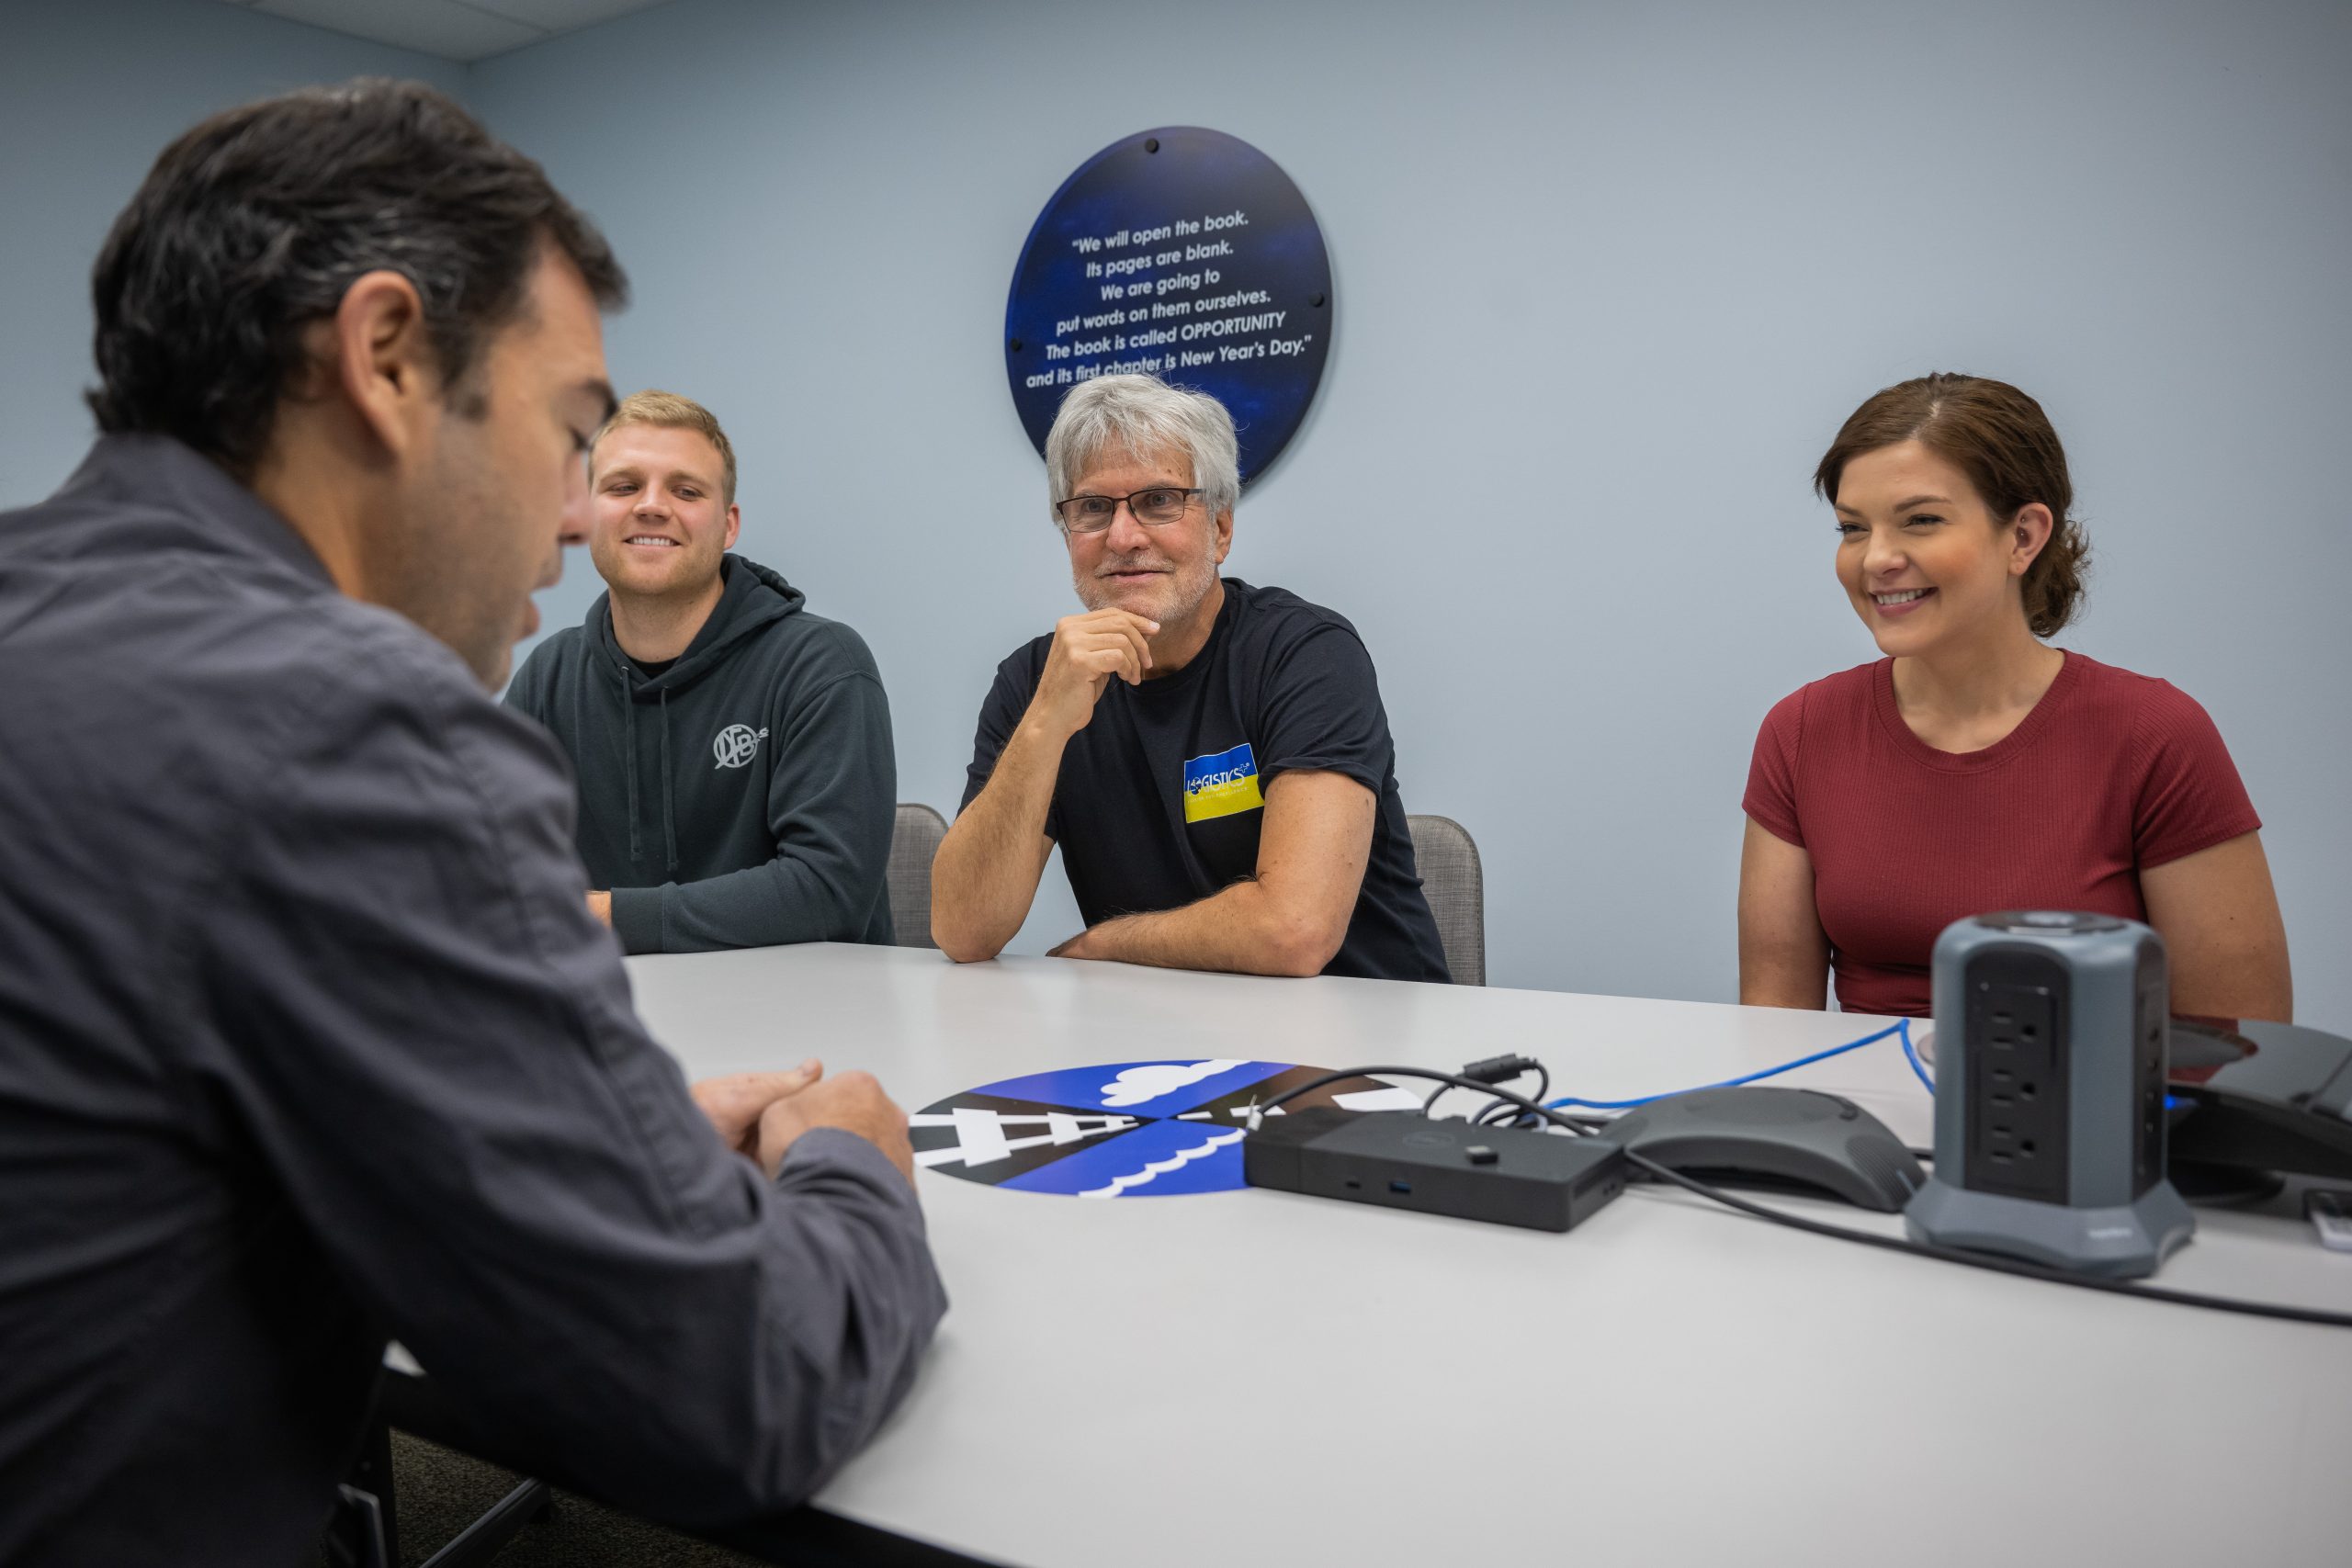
x=1147, y=1129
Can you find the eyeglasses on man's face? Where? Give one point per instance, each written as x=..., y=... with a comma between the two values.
x=1155, y=508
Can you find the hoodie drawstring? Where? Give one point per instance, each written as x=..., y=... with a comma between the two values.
x=669, y=811
x=628, y=749
x=752, y=597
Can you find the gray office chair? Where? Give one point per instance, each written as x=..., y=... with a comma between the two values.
x=912, y=843
x=1456, y=887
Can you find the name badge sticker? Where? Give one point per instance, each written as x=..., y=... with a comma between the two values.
x=1222, y=786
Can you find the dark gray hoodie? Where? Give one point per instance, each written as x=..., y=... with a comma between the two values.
x=743, y=797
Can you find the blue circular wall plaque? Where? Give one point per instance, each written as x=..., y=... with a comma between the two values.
x=1184, y=253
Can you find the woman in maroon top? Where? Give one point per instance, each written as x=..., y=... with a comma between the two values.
x=1975, y=767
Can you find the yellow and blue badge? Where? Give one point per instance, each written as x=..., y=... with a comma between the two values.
x=1222, y=785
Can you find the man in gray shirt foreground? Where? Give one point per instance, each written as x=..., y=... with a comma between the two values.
x=308, y=1037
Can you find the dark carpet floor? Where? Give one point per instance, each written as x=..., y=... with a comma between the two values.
x=441, y=1493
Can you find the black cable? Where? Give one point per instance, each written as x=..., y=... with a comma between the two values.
x=1886, y=1242
x=1517, y=1118
x=1479, y=1118
x=1989, y=1261
x=1447, y=1081
x=1543, y=1092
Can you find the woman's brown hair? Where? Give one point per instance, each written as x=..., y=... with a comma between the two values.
x=2003, y=443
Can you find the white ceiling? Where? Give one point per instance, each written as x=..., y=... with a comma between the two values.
x=462, y=31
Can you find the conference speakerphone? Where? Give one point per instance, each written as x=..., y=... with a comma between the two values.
x=1403, y=1160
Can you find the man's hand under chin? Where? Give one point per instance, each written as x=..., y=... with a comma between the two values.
x=600, y=904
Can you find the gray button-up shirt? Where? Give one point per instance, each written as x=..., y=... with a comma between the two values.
x=307, y=1038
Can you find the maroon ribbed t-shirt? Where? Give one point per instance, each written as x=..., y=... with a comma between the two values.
x=2110, y=773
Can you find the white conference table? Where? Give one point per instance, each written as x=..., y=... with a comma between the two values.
x=1255, y=1377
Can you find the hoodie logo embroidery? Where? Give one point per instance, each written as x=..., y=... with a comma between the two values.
x=737, y=744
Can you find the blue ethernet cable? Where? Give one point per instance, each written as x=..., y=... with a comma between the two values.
x=1911, y=1055
x=1900, y=1029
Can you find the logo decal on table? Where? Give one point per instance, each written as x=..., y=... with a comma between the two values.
x=1124, y=1129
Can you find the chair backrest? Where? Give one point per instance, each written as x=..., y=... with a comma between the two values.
x=1455, y=887
x=914, y=841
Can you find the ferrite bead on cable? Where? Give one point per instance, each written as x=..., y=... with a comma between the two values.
x=1495, y=1070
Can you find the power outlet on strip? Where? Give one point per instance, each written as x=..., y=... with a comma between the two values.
x=2016, y=1080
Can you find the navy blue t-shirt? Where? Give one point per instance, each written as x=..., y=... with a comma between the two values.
x=1162, y=797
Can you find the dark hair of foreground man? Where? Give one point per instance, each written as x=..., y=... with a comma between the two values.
x=254, y=224
x=307, y=1039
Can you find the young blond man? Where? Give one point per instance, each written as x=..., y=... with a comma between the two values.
x=737, y=784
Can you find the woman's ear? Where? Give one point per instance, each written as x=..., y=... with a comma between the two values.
x=2029, y=533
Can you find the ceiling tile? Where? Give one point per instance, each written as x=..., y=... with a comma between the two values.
x=447, y=28
x=562, y=15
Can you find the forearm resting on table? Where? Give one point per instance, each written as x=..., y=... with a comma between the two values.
x=813, y=892
x=1291, y=918
x=1247, y=929
x=985, y=875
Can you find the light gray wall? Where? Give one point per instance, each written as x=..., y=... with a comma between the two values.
x=1608, y=278
x=96, y=88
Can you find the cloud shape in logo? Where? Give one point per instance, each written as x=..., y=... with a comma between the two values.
x=1137, y=1085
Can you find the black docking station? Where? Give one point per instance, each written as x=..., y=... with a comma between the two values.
x=1401, y=1159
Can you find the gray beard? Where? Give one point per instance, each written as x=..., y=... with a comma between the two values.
x=1096, y=594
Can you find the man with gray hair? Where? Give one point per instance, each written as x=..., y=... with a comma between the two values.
x=1212, y=757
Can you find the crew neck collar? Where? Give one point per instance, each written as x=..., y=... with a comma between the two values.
x=1889, y=714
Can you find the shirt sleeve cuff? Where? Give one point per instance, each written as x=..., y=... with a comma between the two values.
x=637, y=918
x=1346, y=767
x=840, y=1147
